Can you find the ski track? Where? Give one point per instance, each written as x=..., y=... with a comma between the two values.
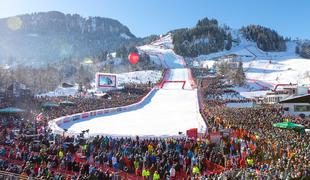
x=166, y=112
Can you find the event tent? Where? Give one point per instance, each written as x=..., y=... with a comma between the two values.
x=50, y=105
x=67, y=103
x=11, y=110
x=288, y=125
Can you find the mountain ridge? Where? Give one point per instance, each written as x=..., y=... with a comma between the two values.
x=51, y=37
x=54, y=36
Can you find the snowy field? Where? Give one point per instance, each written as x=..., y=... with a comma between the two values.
x=137, y=77
x=268, y=67
x=166, y=112
x=264, y=70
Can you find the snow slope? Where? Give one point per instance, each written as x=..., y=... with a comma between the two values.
x=166, y=112
x=60, y=91
x=266, y=68
x=137, y=77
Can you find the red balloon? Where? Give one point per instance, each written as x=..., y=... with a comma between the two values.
x=133, y=58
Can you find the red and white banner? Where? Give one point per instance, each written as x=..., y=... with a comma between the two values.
x=192, y=133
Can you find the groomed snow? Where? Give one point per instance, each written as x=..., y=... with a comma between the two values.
x=264, y=69
x=139, y=77
x=60, y=91
x=166, y=112
x=279, y=71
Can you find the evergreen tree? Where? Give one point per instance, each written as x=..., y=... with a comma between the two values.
x=305, y=50
x=240, y=75
x=297, y=51
x=222, y=68
x=266, y=39
x=229, y=42
x=103, y=56
x=206, y=37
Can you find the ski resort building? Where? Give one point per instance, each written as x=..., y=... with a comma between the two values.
x=283, y=91
x=298, y=105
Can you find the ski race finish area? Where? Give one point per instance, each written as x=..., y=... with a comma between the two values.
x=170, y=109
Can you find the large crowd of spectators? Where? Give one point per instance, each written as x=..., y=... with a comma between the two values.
x=217, y=92
x=250, y=148
x=81, y=103
x=254, y=147
x=85, y=159
x=24, y=137
x=128, y=95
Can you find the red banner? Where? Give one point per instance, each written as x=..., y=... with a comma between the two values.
x=192, y=133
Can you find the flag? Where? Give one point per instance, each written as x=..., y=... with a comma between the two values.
x=192, y=133
x=40, y=117
x=258, y=173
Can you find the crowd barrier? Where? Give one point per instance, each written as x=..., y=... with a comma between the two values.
x=101, y=112
x=54, y=124
x=165, y=77
x=200, y=100
x=191, y=79
x=182, y=61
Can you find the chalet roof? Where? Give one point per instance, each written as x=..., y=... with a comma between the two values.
x=297, y=99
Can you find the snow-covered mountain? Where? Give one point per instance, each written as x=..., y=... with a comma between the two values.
x=54, y=36
x=265, y=68
x=268, y=58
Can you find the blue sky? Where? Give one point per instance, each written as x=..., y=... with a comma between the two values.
x=144, y=17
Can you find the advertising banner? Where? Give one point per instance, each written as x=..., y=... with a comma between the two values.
x=99, y=112
x=93, y=113
x=67, y=119
x=76, y=117
x=85, y=115
x=119, y=109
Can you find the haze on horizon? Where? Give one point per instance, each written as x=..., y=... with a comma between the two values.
x=143, y=18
